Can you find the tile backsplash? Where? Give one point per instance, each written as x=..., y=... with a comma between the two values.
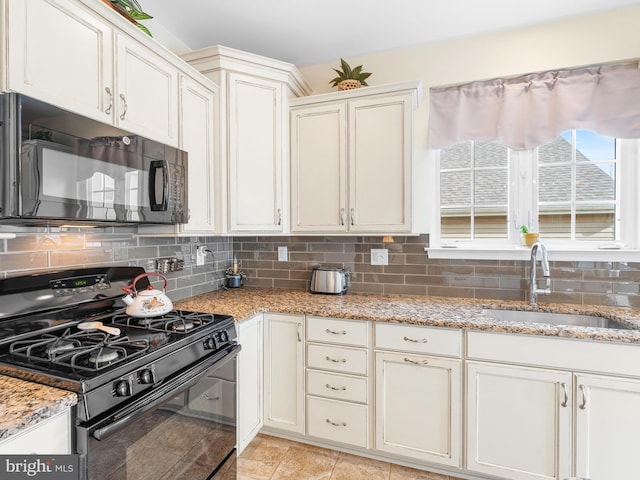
x=409, y=271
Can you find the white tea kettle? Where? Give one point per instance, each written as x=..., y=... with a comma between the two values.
x=149, y=302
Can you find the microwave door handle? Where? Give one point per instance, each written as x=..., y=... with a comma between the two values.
x=158, y=204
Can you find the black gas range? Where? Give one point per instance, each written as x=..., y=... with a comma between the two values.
x=153, y=365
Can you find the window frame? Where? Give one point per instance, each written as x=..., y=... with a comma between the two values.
x=523, y=207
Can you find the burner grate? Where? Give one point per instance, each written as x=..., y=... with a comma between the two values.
x=86, y=351
x=176, y=321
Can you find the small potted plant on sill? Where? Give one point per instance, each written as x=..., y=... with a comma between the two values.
x=526, y=237
x=349, y=78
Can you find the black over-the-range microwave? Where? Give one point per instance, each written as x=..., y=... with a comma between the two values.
x=57, y=168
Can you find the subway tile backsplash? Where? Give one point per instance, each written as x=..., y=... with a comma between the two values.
x=409, y=272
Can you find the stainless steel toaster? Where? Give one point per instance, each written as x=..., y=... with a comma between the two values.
x=330, y=280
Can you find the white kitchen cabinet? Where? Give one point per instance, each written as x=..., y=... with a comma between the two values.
x=338, y=381
x=250, y=380
x=73, y=56
x=353, y=150
x=198, y=108
x=518, y=421
x=146, y=92
x=284, y=372
x=48, y=437
x=606, y=425
x=256, y=156
x=418, y=396
x=599, y=382
x=253, y=132
x=60, y=52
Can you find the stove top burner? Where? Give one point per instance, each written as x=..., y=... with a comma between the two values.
x=176, y=321
x=84, y=351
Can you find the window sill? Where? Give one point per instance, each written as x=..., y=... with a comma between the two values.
x=524, y=253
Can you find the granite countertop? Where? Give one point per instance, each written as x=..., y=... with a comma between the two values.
x=24, y=404
x=466, y=313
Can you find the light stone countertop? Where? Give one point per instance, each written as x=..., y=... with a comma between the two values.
x=245, y=302
x=24, y=404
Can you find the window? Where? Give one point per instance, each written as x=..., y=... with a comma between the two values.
x=569, y=189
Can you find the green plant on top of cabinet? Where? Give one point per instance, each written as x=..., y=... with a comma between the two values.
x=352, y=159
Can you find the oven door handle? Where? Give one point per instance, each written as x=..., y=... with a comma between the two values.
x=160, y=395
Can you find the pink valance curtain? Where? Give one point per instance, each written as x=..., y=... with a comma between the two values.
x=530, y=110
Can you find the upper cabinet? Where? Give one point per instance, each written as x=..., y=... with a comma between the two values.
x=254, y=91
x=352, y=159
x=72, y=56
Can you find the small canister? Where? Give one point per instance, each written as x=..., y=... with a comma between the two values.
x=234, y=281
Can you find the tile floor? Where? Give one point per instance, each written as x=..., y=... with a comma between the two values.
x=272, y=458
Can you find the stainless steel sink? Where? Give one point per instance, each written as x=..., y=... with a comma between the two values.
x=565, y=319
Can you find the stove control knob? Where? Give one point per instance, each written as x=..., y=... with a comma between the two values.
x=223, y=337
x=122, y=388
x=146, y=376
x=209, y=343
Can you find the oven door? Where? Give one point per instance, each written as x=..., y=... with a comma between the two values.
x=184, y=429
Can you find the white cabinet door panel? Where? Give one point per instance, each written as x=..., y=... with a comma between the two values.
x=607, y=426
x=250, y=380
x=518, y=422
x=61, y=53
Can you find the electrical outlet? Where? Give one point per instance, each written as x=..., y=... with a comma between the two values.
x=283, y=254
x=201, y=252
x=379, y=256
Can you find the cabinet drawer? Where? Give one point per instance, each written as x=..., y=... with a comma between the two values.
x=338, y=359
x=337, y=421
x=334, y=385
x=412, y=338
x=343, y=332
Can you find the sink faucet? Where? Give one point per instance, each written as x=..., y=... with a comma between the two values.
x=544, y=263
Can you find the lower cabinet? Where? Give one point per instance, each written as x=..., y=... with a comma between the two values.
x=607, y=423
x=419, y=392
x=284, y=372
x=49, y=437
x=518, y=422
x=338, y=380
x=250, y=398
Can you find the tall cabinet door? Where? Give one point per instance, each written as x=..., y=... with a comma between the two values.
x=419, y=407
x=518, y=422
x=284, y=372
x=60, y=37
x=380, y=164
x=146, y=92
x=255, y=109
x=607, y=426
x=197, y=113
x=318, y=168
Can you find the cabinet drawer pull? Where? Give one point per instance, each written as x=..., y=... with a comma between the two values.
x=565, y=392
x=336, y=332
x=108, y=109
x=415, y=362
x=124, y=106
x=414, y=340
x=331, y=387
x=341, y=216
x=336, y=360
x=298, y=328
x=341, y=424
x=279, y=213
x=208, y=397
x=353, y=216
x=583, y=405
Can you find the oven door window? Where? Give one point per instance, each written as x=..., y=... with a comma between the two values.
x=188, y=436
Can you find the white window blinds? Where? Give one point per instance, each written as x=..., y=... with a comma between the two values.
x=527, y=111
